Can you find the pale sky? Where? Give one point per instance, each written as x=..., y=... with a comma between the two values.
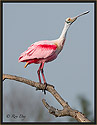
x=72, y=73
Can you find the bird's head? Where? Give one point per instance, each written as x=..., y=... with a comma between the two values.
x=69, y=21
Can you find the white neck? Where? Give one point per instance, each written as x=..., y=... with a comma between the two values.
x=64, y=32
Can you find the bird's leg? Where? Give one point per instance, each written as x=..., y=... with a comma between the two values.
x=39, y=73
x=43, y=77
x=43, y=73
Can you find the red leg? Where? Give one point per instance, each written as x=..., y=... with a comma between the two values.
x=43, y=77
x=43, y=73
x=39, y=73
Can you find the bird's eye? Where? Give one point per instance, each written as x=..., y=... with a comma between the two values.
x=69, y=19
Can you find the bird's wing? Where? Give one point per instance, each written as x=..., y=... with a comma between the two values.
x=38, y=51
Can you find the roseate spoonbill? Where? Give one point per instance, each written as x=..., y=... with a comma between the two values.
x=45, y=51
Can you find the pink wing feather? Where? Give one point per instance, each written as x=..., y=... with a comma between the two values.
x=38, y=50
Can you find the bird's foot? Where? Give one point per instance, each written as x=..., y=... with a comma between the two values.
x=45, y=88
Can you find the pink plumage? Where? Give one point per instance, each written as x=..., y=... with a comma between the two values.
x=42, y=51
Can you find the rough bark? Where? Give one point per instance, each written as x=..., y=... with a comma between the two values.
x=66, y=111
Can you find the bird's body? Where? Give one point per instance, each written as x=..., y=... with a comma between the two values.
x=45, y=51
x=42, y=51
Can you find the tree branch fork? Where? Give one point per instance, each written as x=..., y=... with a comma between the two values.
x=66, y=111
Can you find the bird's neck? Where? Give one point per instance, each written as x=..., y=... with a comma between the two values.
x=64, y=31
x=62, y=38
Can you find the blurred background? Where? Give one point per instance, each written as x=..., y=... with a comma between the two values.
x=72, y=73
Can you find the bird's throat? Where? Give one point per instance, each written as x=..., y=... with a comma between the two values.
x=64, y=31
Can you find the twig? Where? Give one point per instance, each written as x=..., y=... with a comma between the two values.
x=67, y=110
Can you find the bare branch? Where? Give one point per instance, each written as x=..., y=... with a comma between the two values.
x=67, y=110
x=26, y=81
x=54, y=111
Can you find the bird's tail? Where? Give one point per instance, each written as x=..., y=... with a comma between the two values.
x=26, y=64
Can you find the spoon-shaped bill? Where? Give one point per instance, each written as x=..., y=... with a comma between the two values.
x=74, y=18
x=82, y=14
